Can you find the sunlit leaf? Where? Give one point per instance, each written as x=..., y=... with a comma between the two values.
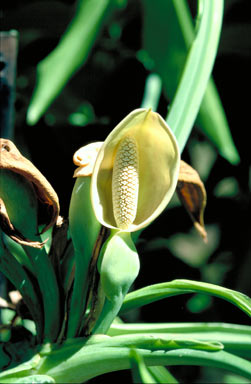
x=234, y=337
x=171, y=23
x=41, y=379
x=198, y=67
x=78, y=362
x=139, y=370
x=162, y=375
x=160, y=291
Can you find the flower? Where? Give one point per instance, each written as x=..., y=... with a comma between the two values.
x=136, y=172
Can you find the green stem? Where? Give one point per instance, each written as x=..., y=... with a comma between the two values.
x=85, y=231
x=118, y=266
x=108, y=314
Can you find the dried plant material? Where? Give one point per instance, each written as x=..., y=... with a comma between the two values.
x=192, y=194
x=12, y=160
x=59, y=243
x=12, y=232
x=15, y=297
x=5, y=304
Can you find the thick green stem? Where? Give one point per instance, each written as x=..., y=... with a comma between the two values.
x=84, y=229
x=118, y=266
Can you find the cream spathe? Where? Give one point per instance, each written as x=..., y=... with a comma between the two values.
x=149, y=160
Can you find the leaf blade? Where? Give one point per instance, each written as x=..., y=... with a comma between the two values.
x=196, y=73
x=156, y=292
x=171, y=23
x=56, y=69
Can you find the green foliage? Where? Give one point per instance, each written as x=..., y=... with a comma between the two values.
x=76, y=285
x=140, y=373
x=170, y=22
x=24, y=216
x=36, y=379
x=14, y=271
x=159, y=291
x=60, y=65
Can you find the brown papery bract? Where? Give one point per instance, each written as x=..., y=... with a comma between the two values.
x=11, y=159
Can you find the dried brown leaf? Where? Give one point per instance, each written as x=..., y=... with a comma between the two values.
x=11, y=159
x=5, y=304
x=59, y=243
x=15, y=297
x=192, y=194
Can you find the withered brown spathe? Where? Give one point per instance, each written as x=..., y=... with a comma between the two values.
x=192, y=193
x=12, y=160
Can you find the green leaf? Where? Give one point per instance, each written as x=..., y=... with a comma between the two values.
x=159, y=341
x=234, y=379
x=160, y=291
x=41, y=379
x=16, y=250
x=171, y=23
x=47, y=281
x=235, y=338
x=198, y=67
x=139, y=370
x=31, y=379
x=77, y=364
x=76, y=361
x=20, y=371
x=162, y=375
x=14, y=188
x=14, y=271
x=72, y=51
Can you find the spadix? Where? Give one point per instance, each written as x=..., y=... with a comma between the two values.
x=136, y=172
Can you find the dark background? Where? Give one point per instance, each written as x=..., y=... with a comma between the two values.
x=108, y=87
